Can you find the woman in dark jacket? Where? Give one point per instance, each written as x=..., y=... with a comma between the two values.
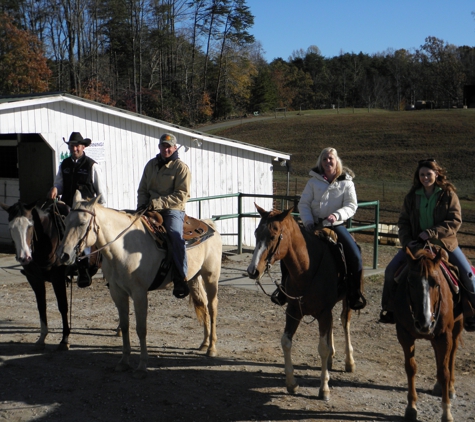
x=431, y=212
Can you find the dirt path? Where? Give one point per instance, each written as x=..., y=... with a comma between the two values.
x=245, y=383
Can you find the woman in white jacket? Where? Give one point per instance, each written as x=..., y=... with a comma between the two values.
x=330, y=198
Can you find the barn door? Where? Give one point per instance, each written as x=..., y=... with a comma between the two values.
x=35, y=167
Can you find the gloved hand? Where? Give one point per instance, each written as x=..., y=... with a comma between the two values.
x=310, y=227
x=144, y=207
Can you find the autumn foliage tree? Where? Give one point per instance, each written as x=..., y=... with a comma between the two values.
x=23, y=66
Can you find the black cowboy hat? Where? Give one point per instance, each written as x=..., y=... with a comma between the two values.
x=76, y=138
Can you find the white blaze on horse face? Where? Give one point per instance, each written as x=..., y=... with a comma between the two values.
x=427, y=314
x=261, y=247
x=18, y=230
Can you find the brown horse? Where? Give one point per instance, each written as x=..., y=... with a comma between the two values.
x=424, y=309
x=36, y=237
x=314, y=286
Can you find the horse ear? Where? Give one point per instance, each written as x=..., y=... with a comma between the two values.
x=261, y=211
x=95, y=200
x=4, y=206
x=441, y=255
x=409, y=253
x=77, y=198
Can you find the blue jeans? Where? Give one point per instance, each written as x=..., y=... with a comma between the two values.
x=456, y=257
x=173, y=221
x=354, y=262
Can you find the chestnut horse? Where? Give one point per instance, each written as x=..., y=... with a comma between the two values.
x=36, y=236
x=424, y=309
x=314, y=286
x=131, y=260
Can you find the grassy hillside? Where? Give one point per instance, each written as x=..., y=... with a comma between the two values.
x=382, y=148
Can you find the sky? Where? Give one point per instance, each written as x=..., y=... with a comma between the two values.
x=354, y=26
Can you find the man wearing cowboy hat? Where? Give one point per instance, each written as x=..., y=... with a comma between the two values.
x=165, y=187
x=82, y=173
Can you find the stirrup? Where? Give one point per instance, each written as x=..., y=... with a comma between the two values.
x=84, y=279
x=278, y=297
x=357, y=302
x=180, y=289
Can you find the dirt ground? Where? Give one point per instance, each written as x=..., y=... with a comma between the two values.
x=244, y=383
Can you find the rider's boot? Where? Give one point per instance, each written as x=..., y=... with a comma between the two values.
x=180, y=288
x=356, y=300
x=84, y=279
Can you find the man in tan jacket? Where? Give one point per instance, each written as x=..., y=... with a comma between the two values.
x=165, y=187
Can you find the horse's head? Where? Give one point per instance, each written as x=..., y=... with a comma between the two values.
x=270, y=241
x=424, y=288
x=21, y=225
x=78, y=234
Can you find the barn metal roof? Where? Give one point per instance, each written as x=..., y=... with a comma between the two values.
x=11, y=102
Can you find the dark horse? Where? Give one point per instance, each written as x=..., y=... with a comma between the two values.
x=36, y=236
x=314, y=286
x=425, y=309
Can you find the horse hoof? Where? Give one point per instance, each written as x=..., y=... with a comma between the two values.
x=62, y=347
x=203, y=347
x=118, y=332
x=411, y=414
x=324, y=395
x=212, y=353
x=350, y=367
x=122, y=367
x=292, y=388
x=140, y=374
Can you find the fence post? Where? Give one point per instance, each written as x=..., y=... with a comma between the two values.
x=239, y=246
x=376, y=236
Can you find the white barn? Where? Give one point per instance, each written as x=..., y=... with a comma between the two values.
x=32, y=129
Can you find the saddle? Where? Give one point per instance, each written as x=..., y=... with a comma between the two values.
x=195, y=232
x=330, y=237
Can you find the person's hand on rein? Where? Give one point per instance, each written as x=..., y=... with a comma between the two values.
x=331, y=218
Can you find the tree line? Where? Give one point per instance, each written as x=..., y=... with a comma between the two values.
x=191, y=61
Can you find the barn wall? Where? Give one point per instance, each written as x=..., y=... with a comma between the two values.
x=128, y=143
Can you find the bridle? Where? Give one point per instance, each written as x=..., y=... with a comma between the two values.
x=268, y=267
x=437, y=310
x=79, y=246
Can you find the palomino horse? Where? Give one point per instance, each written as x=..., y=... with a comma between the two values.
x=131, y=260
x=314, y=286
x=36, y=237
x=424, y=309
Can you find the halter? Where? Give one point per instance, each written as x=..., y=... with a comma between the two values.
x=82, y=240
x=279, y=286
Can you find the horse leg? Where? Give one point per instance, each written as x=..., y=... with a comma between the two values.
x=325, y=349
x=442, y=345
x=345, y=322
x=292, y=321
x=39, y=288
x=59, y=285
x=121, y=300
x=408, y=346
x=210, y=334
x=141, y=308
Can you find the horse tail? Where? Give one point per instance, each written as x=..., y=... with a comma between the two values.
x=199, y=300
